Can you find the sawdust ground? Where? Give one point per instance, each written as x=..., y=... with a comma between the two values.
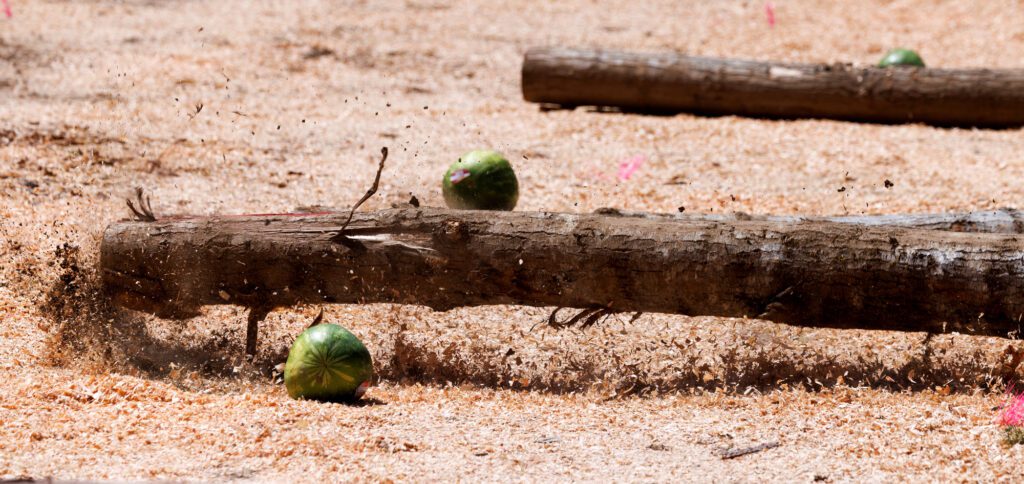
x=100, y=97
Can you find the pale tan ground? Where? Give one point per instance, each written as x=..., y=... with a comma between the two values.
x=101, y=96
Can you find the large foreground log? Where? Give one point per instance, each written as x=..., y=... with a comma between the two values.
x=1002, y=221
x=811, y=273
x=673, y=83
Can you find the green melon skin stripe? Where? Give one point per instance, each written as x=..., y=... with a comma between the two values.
x=489, y=183
x=327, y=363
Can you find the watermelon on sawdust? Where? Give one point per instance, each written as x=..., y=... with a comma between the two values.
x=901, y=58
x=481, y=180
x=328, y=363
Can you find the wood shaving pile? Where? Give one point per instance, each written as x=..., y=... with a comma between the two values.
x=234, y=107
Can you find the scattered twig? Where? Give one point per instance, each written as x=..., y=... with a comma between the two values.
x=318, y=51
x=734, y=453
x=340, y=236
x=252, y=329
x=586, y=317
x=593, y=318
x=555, y=323
x=145, y=211
x=313, y=209
x=317, y=319
x=199, y=107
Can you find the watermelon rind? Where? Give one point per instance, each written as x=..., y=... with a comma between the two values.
x=901, y=58
x=481, y=180
x=327, y=363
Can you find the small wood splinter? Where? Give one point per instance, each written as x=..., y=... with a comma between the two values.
x=145, y=211
x=340, y=237
x=586, y=317
x=317, y=320
x=256, y=315
x=734, y=453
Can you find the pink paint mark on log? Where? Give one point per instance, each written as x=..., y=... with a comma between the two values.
x=7, y=9
x=630, y=166
x=769, y=13
x=290, y=214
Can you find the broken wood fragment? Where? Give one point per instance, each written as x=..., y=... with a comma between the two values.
x=741, y=451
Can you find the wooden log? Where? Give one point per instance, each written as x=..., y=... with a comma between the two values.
x=808, y=273
x=1002, y=221
x=671, y=82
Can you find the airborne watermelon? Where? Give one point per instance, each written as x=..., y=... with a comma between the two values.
x=901, y=58
x=481, y=180
x=328, y=363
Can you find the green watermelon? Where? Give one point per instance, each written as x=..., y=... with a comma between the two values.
x=480, y=180
x=901, y=57
x=328, y=363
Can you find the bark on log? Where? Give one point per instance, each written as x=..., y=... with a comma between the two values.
x=677, y=83
x=811, y=273
x=1002, y=221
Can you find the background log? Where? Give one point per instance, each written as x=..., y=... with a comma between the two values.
x=671, y=82
x=811, y=273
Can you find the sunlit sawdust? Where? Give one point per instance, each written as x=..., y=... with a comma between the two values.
x=232, y=107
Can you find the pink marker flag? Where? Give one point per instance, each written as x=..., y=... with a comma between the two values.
x=769, y=13
x=630, y=166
